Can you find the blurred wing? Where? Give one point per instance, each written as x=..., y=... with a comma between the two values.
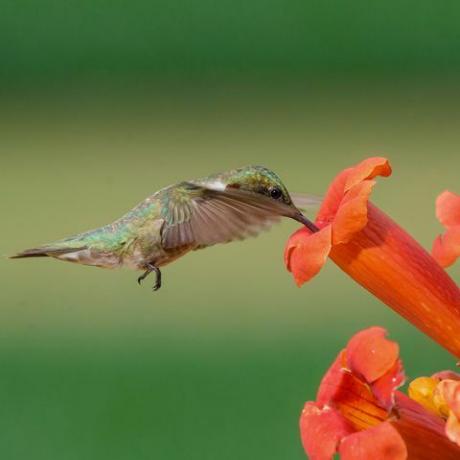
x=305, y=202
x=198, y=216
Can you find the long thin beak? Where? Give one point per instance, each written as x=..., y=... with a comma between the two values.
x=303, y=220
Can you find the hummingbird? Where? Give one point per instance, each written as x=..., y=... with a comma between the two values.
x=184, y=217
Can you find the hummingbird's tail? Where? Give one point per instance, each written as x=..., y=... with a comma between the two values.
x=46, y=251
x=59, y=249
x=89, y=248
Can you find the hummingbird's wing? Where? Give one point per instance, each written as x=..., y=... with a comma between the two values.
x=305, y=202
x=198, y=216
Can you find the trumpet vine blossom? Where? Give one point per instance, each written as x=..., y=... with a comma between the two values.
x=359, y=413
x=377, y=253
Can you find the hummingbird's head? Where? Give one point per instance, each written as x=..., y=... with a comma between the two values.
x=258, y=179
x=263, y=181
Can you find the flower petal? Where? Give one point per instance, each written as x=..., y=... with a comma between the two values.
x=443, y=375
x=345, y=203
x=321, y=431
x=333, y=198
x=352, y=397
x=351, y=216
x=356, y=402
x=306, y=253
x=450, y=392
x=370, y=354
x=450, y=389
x=446, y=248
x=384, y=388
x=453, y=429
x=331, y=380
x=368, y=169
x=448, y=208
x=382, y=442
x=357, y=384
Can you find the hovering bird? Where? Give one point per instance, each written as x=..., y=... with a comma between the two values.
x=184, y=217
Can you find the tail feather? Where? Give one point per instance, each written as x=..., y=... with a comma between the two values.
x=45, y=252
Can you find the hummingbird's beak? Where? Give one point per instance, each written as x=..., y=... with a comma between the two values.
x=309, y=224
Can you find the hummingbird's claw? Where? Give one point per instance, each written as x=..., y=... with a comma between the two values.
x=151, y=268
x=143, y=276
x=157, y=284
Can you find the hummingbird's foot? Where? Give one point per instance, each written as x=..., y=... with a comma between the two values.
x=151, y=268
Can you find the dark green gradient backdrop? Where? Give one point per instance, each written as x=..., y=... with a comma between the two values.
x=102, y=103
x=54, y=40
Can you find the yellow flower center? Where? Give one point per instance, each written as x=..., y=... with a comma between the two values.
x=425, y=391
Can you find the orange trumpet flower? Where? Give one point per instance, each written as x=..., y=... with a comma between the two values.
x=359, y=414
x=377, y=253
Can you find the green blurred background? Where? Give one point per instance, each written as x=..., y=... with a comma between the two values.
x=102, y=103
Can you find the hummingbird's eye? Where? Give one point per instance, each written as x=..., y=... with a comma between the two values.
x=275, y=193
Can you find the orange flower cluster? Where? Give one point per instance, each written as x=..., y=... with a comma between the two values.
x=358, y=411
